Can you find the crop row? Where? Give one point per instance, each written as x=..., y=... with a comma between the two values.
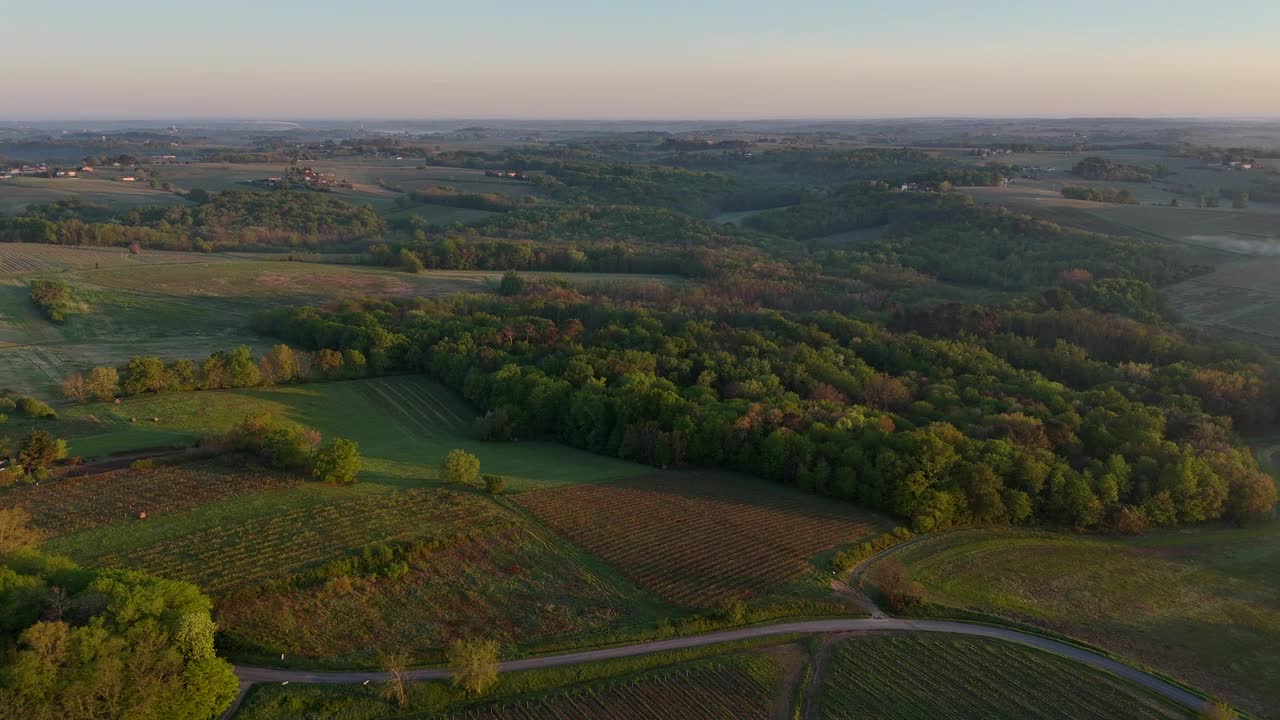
x=118, y=496
x=712, y=694
x=696, y=541
x=908, y=677
x=416, y=406
x=236, y=555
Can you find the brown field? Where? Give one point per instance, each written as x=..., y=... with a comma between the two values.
x=699, y=693
x=699, y=539
x=118, y=496
x=502, y=581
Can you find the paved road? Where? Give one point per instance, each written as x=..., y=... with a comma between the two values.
x=250, y=675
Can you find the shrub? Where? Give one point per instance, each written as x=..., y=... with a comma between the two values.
x=337, y=462
x=143, y=464
x=734, y=611
x=494, y=484
x=847, y=560
x=460, y=466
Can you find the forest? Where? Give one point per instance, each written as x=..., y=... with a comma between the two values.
x=1077, y=402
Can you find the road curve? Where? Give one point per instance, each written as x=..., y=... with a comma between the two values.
x=251, y=675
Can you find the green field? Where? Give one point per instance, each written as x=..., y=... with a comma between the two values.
x=922, y=677
x=17, y=193
x=1202, y=605
x=406, y=426
x=487, y=570
x=171, y=305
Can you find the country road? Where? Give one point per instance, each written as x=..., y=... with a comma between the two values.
x=252, y=675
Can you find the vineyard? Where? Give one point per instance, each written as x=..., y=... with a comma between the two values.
x=892, y=677
x=699, y=539
x=710, y=693
x=118, y=496
x=1200, y=605
x=221, y=554
x=503, y=583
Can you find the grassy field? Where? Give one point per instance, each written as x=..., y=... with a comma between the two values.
x=1202, y=605
x=921, y=677
x=170, y=305
x=1239, y=301
x=17, y=193
x=714, y=682
x=407, y=426
x=698, y=539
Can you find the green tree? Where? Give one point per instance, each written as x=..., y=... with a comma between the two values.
x=144, y=374
x=474, y=664
x=409, y=261
x=512, y=284
x=337, y=462
x=139, y=649
x=104, y=383
x=460, y=466
x=38, y=451
x=242, y=371
x=1240, y=201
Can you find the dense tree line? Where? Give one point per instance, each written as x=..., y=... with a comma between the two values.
x=233, y=217
x=1097, y=168
x=696, y=193
x=103, y=644
x=1123, y=196
x=584, y=238
x=234, y=368
x=937, y=430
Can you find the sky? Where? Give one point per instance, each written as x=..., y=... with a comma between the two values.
x=657, y=59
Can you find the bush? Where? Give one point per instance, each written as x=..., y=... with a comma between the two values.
x=143, y=464
x=847, y=560
x=337, y=462
x=460, y=466
x=494, y=484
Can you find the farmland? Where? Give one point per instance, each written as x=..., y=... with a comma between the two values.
x=699, y=693
x=502, y=581
x=1200, y=605
x=901, y=677
x=700, y=539
x=409, y=423
x=237, y=542
x=116, y=496
x=17, y=193
x=739, y=681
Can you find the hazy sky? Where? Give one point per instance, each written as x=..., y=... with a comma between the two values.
x=651, y=59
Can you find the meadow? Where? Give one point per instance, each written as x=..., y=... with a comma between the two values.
x=922, y=677
x=699, y=539
x=1239, y=300
x=408, y=424
x=19, y=192
x=1201, y=605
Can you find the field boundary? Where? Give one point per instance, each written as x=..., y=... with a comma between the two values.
x=1175, y=692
